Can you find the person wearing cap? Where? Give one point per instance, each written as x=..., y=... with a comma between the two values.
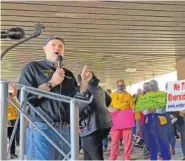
x=47, y=75
x=123, y=121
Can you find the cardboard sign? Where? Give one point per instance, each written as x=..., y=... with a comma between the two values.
x=122, y=119
x=176, y=96
x=155, y=100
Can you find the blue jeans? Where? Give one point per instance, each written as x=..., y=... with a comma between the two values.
x=38, y=148
x=137, y=127
x=105, y=142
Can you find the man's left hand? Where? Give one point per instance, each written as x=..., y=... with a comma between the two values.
x=86, y=76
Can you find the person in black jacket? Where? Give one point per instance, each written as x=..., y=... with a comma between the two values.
x=106, y=139
x=95, y=121
x=181, y=128
x=47, y=75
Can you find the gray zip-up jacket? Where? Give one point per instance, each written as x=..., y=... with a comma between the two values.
x=95, y=116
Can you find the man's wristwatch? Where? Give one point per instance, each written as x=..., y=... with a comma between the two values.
x=49, y=85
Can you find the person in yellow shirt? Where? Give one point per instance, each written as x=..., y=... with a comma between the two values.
x=122, y=102
x=12, y=116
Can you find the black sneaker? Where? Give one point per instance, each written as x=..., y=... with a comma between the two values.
x=13, y=156
x=177, y=137
x=183, y=158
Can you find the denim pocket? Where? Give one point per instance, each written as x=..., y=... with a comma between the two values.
x=41, y=125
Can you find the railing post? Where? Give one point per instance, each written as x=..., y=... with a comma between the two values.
x=3, y=119
x=22, y=126
x=74, y=123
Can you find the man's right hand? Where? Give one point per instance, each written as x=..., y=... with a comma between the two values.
x=57, y=77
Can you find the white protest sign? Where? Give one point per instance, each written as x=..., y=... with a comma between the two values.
x=176, y=96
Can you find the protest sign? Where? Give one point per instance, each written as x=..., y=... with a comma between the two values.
x=176, y=96
x=155, y=100
x=122, y=119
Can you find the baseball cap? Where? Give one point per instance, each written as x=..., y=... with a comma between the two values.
x=53, y=38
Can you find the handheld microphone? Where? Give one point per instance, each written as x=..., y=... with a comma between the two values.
x=13, y=33
x=59, y=61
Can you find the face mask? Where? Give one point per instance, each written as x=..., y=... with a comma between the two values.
x=121, y=87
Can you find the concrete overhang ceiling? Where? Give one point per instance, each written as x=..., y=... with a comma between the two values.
x=128, y=40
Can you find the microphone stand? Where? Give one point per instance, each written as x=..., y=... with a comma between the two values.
x=38, y=29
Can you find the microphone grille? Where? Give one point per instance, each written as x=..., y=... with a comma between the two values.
x=16, y=33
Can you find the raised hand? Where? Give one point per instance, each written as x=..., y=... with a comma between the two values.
x=86, y=76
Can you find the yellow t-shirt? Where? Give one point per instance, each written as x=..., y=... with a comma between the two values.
x=122, y=101
x=137, y=115
x=12, y=111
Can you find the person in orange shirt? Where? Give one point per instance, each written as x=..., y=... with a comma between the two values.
x=12, y=116
x=122, y=105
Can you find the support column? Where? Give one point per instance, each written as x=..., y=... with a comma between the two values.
x=111, y=83
x=180, y=67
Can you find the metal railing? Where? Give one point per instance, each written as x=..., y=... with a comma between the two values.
x=74, y=116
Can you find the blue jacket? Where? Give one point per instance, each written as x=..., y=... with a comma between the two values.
x=159, y=126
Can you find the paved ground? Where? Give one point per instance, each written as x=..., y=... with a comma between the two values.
x=137, y=153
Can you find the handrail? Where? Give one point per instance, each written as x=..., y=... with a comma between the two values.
x=49, y=125
x=56, y=146
x=74, y=115
x=16, y=125
x=47, y=94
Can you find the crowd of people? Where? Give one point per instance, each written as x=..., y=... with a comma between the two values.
x=109, y=114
